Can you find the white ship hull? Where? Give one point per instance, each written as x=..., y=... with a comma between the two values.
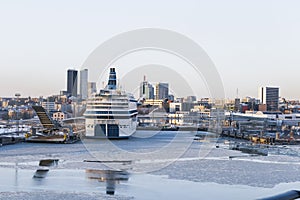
x=110, y=128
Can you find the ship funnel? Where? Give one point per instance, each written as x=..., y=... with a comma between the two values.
x=112, y=81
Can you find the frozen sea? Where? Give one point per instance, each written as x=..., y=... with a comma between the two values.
x=150, y=165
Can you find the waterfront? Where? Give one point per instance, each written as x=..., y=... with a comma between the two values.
x=202, y=172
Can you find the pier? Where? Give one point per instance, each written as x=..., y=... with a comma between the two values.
x=260, y=137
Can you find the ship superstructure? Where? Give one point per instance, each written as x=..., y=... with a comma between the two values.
x=111, y=113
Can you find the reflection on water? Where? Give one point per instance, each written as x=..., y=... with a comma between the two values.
x=49, y=162
x=40, y=173
x=44, y=175
x=139, y=186
x=110, y=177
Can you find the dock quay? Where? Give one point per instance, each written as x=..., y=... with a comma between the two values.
x=53, y=132
x=172, y=128
x=260, y=137
x=249, y=149
x=10, y=139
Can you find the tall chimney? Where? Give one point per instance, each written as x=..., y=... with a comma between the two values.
x=112, y=81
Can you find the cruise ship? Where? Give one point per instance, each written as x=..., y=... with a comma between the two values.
x=111, y=113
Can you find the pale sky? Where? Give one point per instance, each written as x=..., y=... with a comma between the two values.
x=252, y=43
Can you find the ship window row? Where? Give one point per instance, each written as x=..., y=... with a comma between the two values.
x=106, y=107
x=108, y=101
x=120, y=126
x=108, y=93
x=112, y=97
x=133, y=100
x=110, y=112
x=119, y=99
x=110, y=117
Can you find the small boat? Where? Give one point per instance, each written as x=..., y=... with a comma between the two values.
x=171, y=127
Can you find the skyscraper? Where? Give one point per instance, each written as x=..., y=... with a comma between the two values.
x=84, y=83
x=270, y=97
x=91, y=88
x=146, y=90
x=72, y=82
x=162, y=90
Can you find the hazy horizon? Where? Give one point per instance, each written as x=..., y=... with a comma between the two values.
x=252, y=43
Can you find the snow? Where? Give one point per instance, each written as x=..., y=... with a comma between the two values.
x=61, y=196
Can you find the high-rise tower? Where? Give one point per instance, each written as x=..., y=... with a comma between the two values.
x=270, y=97
x=146, y=90
x=72, y=82
x=162, y=90
x=84, y=83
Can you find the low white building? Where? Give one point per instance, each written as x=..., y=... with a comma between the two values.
x=203, y=112
x=176, y=118
x=154, y=102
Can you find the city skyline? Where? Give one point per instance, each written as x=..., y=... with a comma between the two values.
x=84, y=88
x=251, y=43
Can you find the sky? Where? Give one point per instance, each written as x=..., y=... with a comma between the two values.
x=252, y=43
